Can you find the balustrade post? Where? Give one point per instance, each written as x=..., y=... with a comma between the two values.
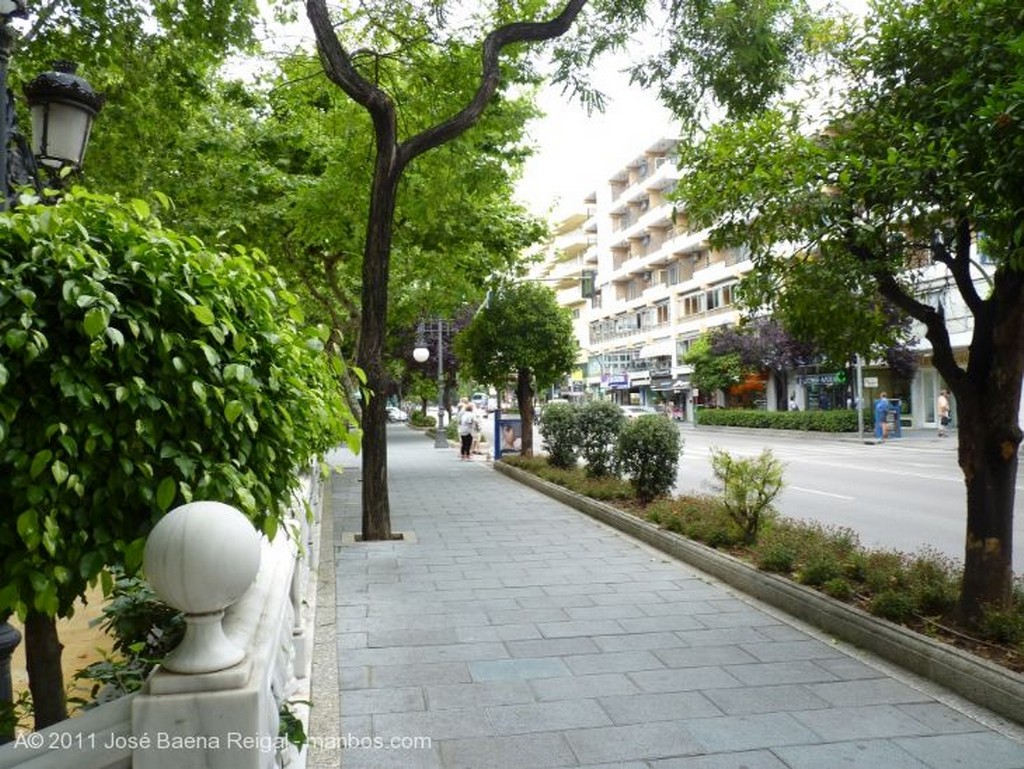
x=200, y=558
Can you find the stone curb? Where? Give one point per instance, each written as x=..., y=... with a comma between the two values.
x=974, y=678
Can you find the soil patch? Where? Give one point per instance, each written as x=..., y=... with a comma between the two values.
x=82, y=644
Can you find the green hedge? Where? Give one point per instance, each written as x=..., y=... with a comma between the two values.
x=836, y=421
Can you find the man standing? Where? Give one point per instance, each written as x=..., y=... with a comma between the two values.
x=882, y=409
x=942, y=411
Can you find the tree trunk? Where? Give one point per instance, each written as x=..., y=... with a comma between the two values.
x=45, y=674
x=524, y=395
x=376, y=521
x=988, y=457
x=988, y=402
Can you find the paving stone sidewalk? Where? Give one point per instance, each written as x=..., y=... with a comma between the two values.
x=509, y=630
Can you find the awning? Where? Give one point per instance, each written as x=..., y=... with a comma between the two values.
x=664, y=348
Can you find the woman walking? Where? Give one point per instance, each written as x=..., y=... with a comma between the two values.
x=466, y=419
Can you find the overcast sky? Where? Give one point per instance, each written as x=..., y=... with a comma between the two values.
x=576, y=153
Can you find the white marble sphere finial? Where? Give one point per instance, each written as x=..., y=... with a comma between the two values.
x=200, y=558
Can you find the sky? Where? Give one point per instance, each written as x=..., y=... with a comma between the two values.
x=577, y=152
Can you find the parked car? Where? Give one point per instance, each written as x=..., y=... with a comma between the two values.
x=635, y=412
x=395, y=414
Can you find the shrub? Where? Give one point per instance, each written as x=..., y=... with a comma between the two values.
x=893, y=605
x=560, y=431
x=1005, y=627
x=701, y=518
x=822, y=568
x=648, y=453
x=882, y=570
x=600, y=423
x=777, y=556
x=833, y=421
x=933, y=581
x=419, y=419
x=748, y=487
x=144, y=630
x=838, y=588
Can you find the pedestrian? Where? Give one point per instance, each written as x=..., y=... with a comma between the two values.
x=942, y=408
x=882, y=409
x=792, y=403
x=477, y=431
x=466, y=431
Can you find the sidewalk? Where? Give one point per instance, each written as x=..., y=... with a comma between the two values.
x=510, y=631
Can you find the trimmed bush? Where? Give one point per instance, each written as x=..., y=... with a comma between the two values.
x=600, y=423
x=419, y=419
x=648, y=454
x=834, y=421
x=560, y=431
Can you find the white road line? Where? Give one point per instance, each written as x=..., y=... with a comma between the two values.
x=822, y=493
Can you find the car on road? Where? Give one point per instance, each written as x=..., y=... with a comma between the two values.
x=635, y=412
x=396, y=414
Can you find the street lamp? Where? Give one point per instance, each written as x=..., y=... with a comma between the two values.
x=62, y=106
x=420, y=355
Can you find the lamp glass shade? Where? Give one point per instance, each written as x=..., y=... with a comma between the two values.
x=11, y=8
x=60, y=133
x=420, y=354
x=62, y=106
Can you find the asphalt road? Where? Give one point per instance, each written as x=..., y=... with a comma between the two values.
x=906, y=493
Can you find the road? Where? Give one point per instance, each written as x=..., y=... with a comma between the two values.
x=906, y=493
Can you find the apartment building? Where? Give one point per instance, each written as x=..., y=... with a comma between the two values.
x=650, y=285
x=642, y=285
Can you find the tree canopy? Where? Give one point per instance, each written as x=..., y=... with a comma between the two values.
x=523, y=333
x=886, y=198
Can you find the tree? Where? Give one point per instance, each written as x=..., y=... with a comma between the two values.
x=912, y=174
x=139, y=369
x=156, y=64
x=454, y=224
x=523, y=332
x=711, y=371
x=355, y=73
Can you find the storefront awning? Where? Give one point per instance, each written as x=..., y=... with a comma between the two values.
x=664, y=348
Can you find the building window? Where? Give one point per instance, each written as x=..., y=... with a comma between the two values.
x=693, y=304
x=661, y=314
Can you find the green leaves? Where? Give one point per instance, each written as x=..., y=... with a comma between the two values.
x=95, y=322
x=141, y=369
x=165, y=493
x=203, y=314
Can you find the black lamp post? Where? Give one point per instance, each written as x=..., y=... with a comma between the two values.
x=62, y=106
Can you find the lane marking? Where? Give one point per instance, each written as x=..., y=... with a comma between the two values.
x=822, y=493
